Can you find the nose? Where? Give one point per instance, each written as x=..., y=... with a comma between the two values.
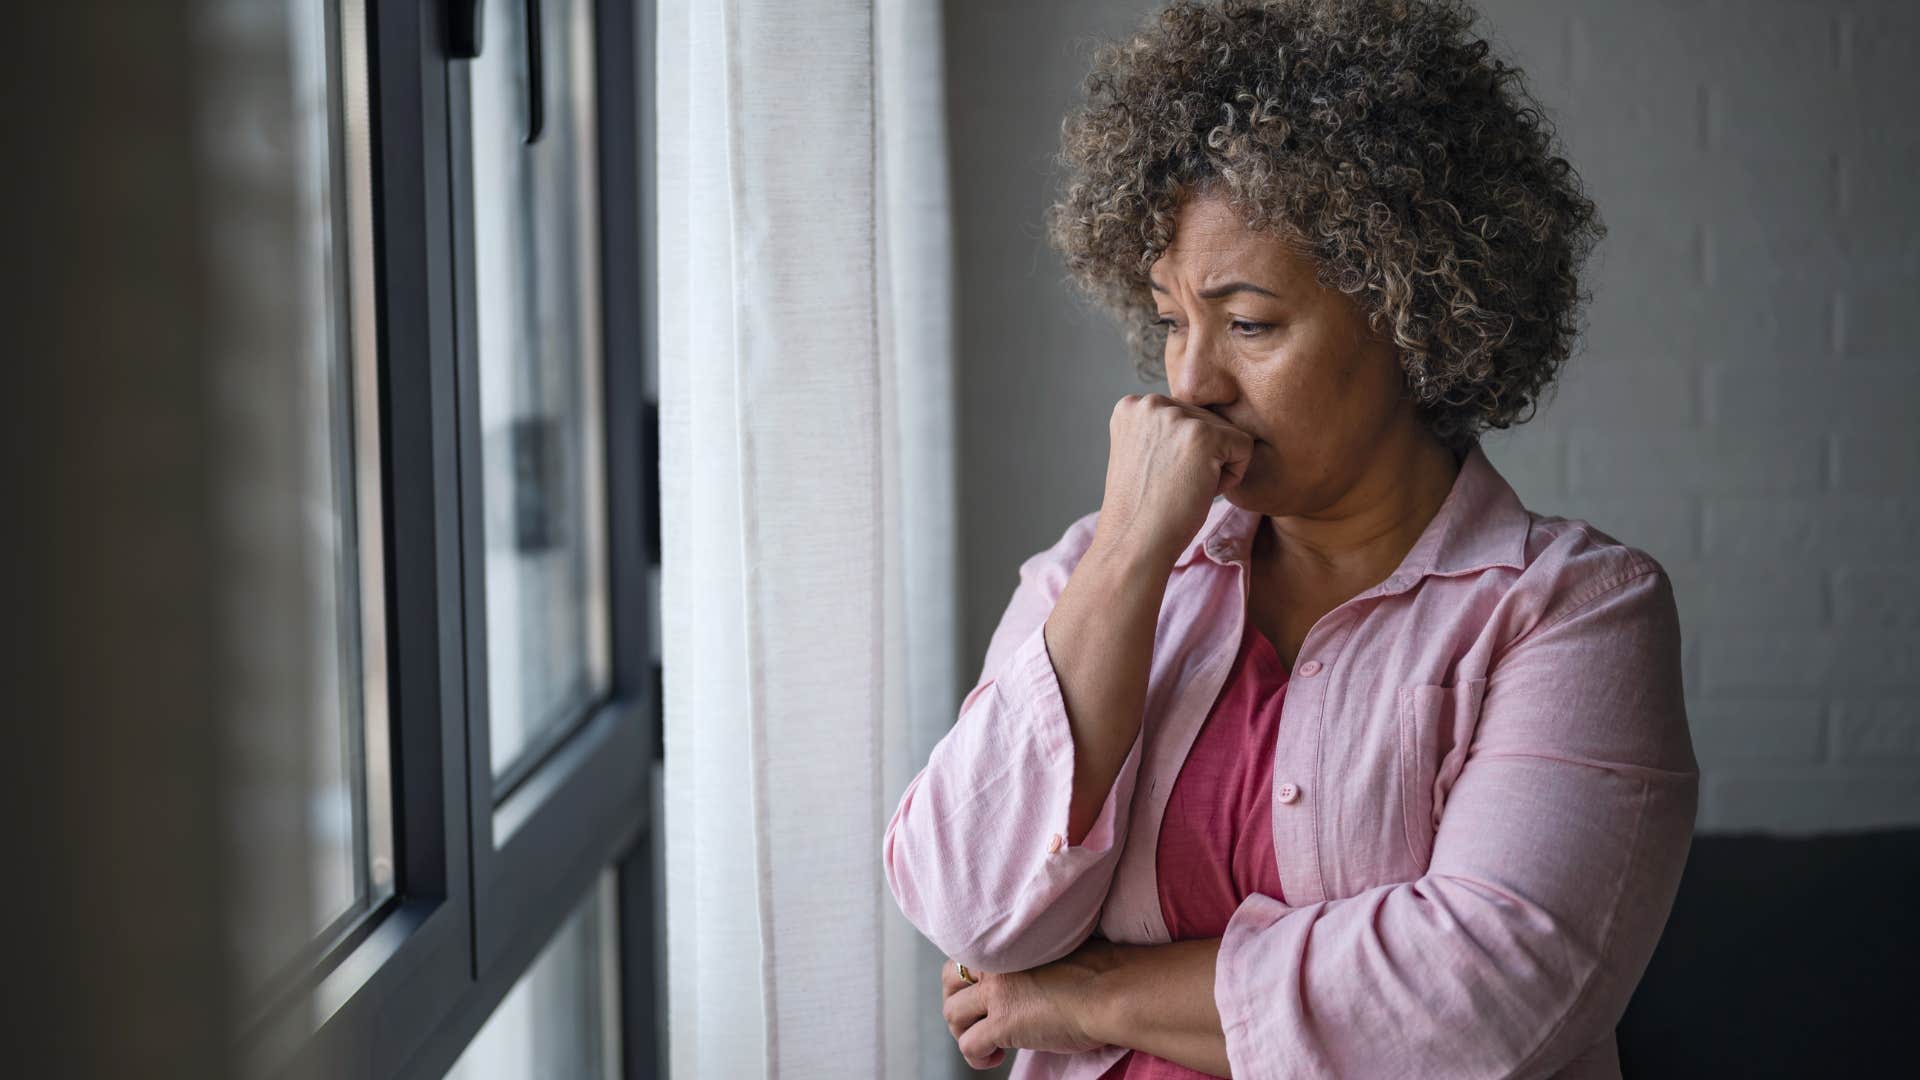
x=1199, y=374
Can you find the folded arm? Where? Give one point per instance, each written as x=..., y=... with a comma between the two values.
x=1158, y=999
x=1003, y=848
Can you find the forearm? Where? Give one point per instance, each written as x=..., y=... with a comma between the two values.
x=1099, y=638
x=1158, y=999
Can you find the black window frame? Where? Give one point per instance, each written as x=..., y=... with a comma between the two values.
x=407, y=987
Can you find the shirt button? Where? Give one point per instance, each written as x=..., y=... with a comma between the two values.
x=1288, y=793
x=1054, y=844
x=1310, y=668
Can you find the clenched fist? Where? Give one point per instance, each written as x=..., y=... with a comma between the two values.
x=1166, y=462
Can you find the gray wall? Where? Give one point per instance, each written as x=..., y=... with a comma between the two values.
x=1039, y=371
x=1743, y=408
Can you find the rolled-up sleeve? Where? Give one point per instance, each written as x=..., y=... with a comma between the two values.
x=976, y=853
x=1554, y=867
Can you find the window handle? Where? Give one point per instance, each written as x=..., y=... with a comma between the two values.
x=536, y=75
x=463, y=29
x=464, y=22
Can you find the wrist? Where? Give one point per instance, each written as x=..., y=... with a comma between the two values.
x=1133, y=554
x=1104, y=1006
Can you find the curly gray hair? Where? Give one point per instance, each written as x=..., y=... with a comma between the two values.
x=1381, y=137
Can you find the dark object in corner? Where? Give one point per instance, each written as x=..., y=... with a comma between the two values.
x=1784, y=956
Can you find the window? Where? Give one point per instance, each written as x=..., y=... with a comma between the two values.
x=454, y=497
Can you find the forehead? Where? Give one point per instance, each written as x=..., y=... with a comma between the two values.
x=1211, y=238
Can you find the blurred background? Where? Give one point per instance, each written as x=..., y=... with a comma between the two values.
x=417, y=672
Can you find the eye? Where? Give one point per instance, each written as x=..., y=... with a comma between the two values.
x=1251, y=329
x=1168, y=323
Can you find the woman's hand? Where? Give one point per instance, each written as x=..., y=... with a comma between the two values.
x=1046, y=1008
x=1165, y=463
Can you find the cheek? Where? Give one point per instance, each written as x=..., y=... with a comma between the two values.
x=1289, y=384
x=1265, y=386
x=1310, y=401
x=1355, y=383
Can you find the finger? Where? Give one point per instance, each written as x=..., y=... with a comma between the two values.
x=950, y=980
x=992, y=1060
x=980, y=1049
x=1233, y=466
x=1215, y=424
x=1235, y=453
x=963, y=1008
x=1198, y=412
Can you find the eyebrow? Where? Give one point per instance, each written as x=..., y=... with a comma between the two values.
x=1219, y=291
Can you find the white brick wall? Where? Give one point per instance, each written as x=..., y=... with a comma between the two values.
x=1744, y=406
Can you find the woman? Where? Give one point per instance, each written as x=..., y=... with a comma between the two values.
x=1312, y=752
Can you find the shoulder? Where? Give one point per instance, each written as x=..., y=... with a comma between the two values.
x=1571, y=563
x=1590, y=661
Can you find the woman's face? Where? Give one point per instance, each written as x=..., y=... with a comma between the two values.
x=1253, y=338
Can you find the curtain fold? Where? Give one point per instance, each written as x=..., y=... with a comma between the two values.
x=807, y=460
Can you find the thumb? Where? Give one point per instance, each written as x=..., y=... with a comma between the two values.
x=1233, y=467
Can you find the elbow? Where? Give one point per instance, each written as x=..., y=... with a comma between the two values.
x=1527, y=990
x=1001, y=955
x=918, y=881
x=905, y=882
x=951, y=924
x=952, y=916
x=1577, y=1010
x=1015, y=943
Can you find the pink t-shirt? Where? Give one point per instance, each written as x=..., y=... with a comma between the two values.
x=1216, y=842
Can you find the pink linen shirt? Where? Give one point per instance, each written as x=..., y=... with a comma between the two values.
x=1492, y=794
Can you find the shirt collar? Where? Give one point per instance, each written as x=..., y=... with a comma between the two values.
x=1480, y=524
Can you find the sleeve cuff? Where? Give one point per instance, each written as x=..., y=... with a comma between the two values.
x=1236, y=985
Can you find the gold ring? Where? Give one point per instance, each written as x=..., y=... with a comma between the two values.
x=962, y=969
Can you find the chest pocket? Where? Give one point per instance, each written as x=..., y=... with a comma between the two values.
x=1436, y=727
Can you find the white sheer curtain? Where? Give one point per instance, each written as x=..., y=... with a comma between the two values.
x=807, y=471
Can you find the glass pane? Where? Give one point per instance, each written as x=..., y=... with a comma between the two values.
x=283, y=146
x=537, y=286
x=562, y=1017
